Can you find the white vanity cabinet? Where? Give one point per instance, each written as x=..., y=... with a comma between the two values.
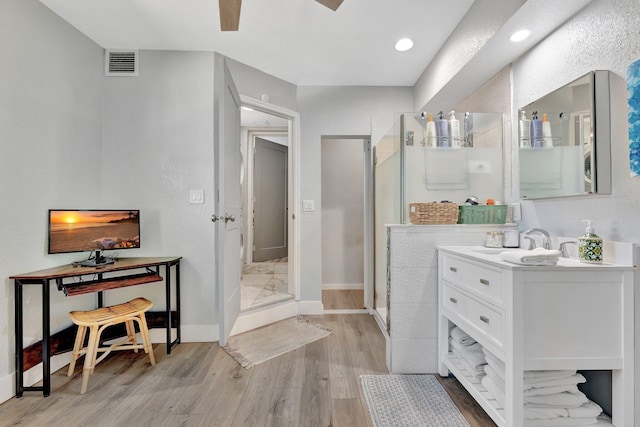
x=569, y=316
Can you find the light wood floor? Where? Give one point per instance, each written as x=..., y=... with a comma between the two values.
x=343, y=299
x=200, y=385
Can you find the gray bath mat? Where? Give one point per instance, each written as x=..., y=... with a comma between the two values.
x=409, y=400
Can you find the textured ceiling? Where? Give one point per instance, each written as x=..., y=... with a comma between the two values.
x=299, y=41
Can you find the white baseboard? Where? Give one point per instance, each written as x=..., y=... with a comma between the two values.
x=7, y=387
x=342, y=286
x=312, y=308
x=263, y=316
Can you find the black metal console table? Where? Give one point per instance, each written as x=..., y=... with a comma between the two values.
x=103, y=282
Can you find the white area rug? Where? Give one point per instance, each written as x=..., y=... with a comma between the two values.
x=267, y=342
x=409, y=400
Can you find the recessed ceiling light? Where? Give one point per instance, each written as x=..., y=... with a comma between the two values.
x=404, y=44
x=519, y=35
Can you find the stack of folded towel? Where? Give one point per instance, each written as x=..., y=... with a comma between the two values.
x=537, y=256
x=551, y=398
x=468, y=351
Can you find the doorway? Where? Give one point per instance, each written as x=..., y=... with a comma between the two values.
x=345, y=181
x=265, y=268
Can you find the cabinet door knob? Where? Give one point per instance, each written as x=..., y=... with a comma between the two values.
x=453, y=300
x=485, y=319
x=455, y=270
x=484, y=282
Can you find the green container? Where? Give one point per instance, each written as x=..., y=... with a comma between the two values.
x=481, y=214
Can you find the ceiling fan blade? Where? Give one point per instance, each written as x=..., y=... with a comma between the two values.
x=229, y=14
x=331, y=4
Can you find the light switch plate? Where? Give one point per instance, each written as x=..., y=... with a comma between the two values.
x=196, y=196
x=308, y=206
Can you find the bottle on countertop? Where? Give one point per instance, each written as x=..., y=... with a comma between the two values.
x=590, y=245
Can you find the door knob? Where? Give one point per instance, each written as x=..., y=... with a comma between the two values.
x=215, y=218
x=228, y=217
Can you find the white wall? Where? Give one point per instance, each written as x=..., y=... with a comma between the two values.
x=342, y=212
x=333, y=111
x=51, y=83
x=603, y=36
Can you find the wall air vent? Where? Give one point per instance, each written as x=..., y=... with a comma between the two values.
x=118, y=62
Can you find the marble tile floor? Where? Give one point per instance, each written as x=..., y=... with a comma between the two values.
x=264, y=283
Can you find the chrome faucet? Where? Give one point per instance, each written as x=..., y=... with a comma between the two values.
x=546, y=238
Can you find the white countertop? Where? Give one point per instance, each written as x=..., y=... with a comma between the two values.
x=492, y=256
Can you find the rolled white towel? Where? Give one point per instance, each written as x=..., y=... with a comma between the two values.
x=537, y=256
x=460, y=336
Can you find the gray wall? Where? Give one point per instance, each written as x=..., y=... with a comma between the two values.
x=342, y=211
x=51, y=85
x=333, y=111
x=158, y=144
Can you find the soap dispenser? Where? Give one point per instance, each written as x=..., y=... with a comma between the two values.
x=590, y=245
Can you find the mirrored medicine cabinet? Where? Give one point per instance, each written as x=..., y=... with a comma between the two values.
x=568, y=152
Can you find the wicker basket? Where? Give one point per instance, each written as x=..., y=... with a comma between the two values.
x=433, y=213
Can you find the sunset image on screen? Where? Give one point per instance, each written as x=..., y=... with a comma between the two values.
x=75, y=231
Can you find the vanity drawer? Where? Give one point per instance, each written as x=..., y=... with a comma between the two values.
x=477, y=279
x=486, y=320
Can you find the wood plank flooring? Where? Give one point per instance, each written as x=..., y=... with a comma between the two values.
x=343, y=299
x=200, y=385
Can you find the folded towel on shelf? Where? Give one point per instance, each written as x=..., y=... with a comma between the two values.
x=540, y=383
x=461, y=337
x=558, y=422
x=537, y=256
x=472, y=347
x=493, y=389
x=545, y=391
x=495, y=374
x=561, y=400
x=534, y=375
x=493, y=360
x=586, y=410
x=476, y=372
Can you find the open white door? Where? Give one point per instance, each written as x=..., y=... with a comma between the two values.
x=228, y=215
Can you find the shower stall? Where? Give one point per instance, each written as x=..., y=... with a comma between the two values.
x=411, y=167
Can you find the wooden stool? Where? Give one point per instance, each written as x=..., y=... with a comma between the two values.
x=97, y=321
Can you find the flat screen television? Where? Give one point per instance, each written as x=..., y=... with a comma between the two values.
x=94, y=231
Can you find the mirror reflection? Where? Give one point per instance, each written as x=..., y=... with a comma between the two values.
x=555, y=138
